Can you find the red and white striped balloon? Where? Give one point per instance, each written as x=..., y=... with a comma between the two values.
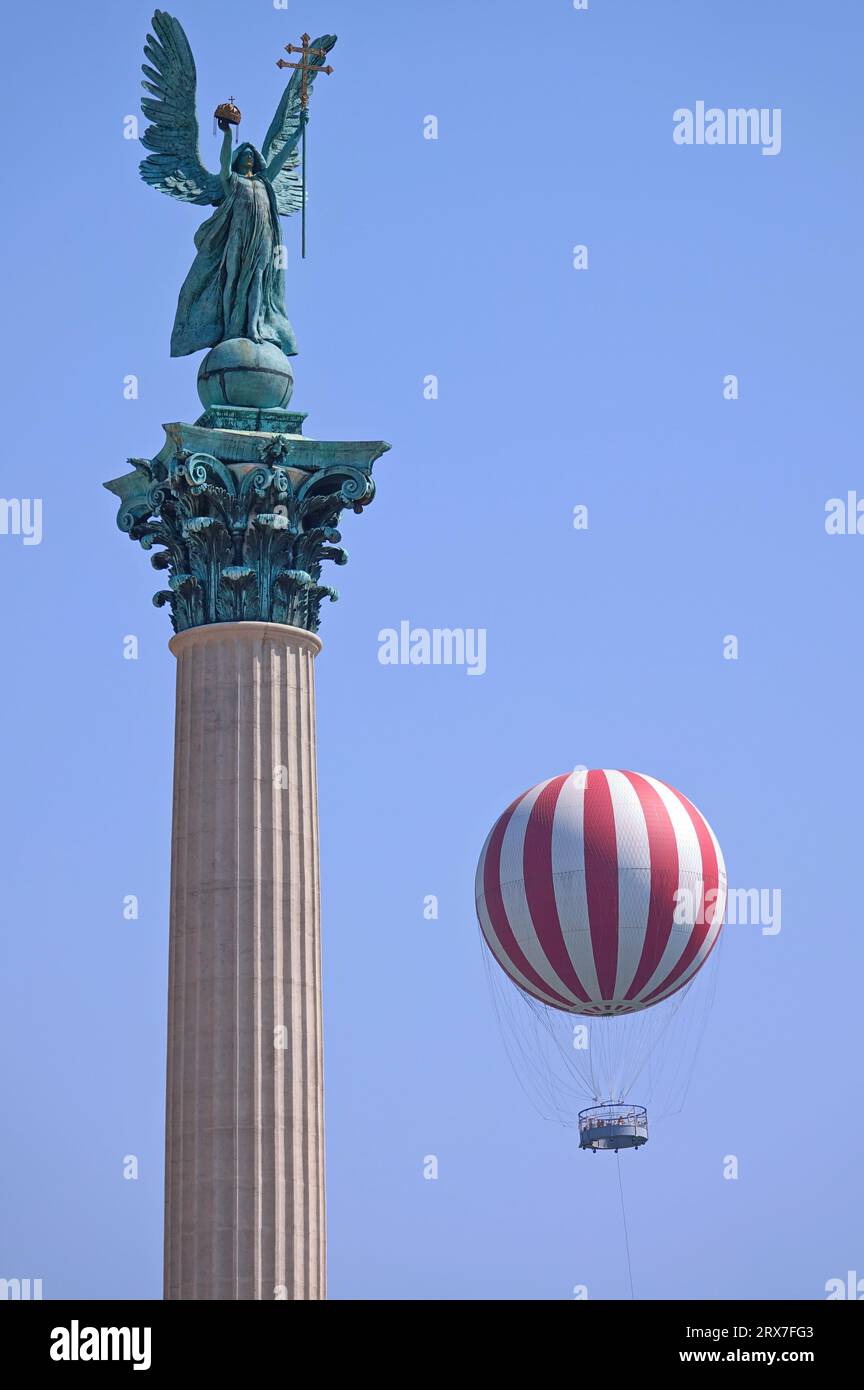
x=601, y=892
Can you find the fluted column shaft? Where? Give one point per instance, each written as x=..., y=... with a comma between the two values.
x=244, y=1181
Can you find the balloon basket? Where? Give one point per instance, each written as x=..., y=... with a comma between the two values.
x=613, y=1127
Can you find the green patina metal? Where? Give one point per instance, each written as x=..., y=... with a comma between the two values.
x=241, y=509
x=244, y=520
x=236, y=286
x=233, y=417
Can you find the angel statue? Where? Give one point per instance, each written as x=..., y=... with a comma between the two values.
x=236, y=286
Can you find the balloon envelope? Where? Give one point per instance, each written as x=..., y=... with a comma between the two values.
x=601, y=892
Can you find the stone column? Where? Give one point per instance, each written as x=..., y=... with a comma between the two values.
x=244, y=1149
x=242, y=511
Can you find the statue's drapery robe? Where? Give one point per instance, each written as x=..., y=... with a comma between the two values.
x=235, y=288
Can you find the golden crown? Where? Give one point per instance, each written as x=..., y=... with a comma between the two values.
x=227, y=111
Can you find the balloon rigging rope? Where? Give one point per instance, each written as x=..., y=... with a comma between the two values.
x=648, y=1044
x=557, y=1077
x=624, y=1219
x=698, y=1024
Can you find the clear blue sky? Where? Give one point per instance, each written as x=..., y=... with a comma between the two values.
x=557, y=387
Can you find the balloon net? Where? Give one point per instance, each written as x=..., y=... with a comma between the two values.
x=564, y=1062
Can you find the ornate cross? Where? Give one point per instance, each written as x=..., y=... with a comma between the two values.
x=304, y=65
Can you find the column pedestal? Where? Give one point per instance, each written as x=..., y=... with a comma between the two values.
x=244, y=1150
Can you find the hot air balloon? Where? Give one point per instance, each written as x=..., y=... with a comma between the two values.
x=601, y=894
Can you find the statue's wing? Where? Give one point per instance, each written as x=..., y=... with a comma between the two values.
x=175, y=165
x=287, y=184
x=288, y=187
